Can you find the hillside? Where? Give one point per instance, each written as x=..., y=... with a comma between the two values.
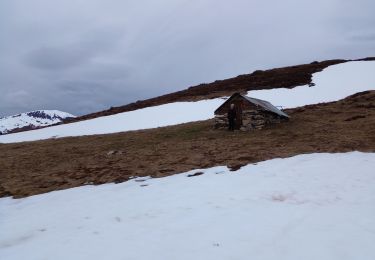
x=204, y=130
x=286, y=77
x=331, y=84
x=173, y=187
x=37, y=167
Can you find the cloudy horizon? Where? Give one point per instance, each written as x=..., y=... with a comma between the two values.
x=84, y=56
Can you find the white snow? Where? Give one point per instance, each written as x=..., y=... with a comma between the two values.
x=151, y=117
x=333, y=83
x=33, y=118
x=313, y=206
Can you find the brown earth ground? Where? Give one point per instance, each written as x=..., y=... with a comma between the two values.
x=36, y=167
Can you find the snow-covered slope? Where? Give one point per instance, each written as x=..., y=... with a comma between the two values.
x=316, y=206
x=32, y=119
x=334, y=83
x=169, y=114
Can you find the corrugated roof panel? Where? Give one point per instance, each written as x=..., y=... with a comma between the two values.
x=266, y=105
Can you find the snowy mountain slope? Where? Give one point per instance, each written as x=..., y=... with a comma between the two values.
x=169, y=114
x=32, y=120
x=313, y=206
x=333, y=83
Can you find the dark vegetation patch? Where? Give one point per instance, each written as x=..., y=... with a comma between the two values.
x=195, y=174
x=355, y=117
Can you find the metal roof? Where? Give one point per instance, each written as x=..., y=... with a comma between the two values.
x=266, y=105
x=258, y=102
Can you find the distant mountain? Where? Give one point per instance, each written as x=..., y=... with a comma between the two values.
x=31, y=120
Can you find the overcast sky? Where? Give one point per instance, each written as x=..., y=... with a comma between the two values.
x=82, y=56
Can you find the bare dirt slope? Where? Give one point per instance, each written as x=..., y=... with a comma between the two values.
x=37, y=167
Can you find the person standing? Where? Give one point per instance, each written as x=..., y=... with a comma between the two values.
x=231, y=117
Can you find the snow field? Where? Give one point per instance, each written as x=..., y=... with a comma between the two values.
x=332, y=84
x=151, y=117
x=313, y=206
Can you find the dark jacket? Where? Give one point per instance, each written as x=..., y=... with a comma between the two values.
x=232, y=114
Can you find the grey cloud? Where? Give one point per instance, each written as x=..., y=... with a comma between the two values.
x=363, y=37
x=84, y=56
x=56, y=59
x=89, y=45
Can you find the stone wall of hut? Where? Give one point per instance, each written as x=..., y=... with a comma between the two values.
x=251, y=119
x=252, y=116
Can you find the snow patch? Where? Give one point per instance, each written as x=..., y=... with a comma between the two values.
x=332, y=84
x=314, y=206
